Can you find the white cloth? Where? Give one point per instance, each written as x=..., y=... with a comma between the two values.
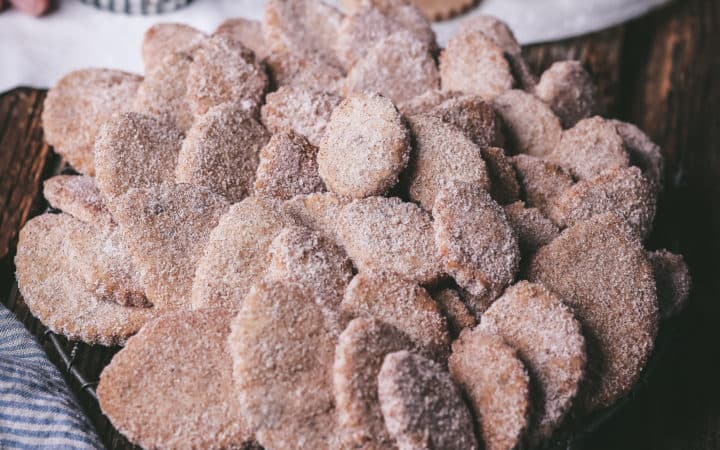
x=37, y=52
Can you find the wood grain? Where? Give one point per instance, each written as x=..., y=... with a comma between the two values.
x=661, y=72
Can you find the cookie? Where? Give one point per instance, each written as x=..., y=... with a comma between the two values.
x=496, y=384
x=426, y=102
x=236, y=255
x=475, y=117
x=359, y=356
x=569, y=91
x=282, y=364
x=80, y=197
x=165, y=228
x=421, y=405
x=473, y=64
x=590, y=147
x=79, y=105
x=135, y=151
x=408, y=69
x=288, y=167
x=443, y=10
x=311, y=71
x=531, y=126
x=164, y=39
x=163, y=91
x=248, y=32
x=672, y=278
x=623, y=191
x=643, y=152
x=504, y=184
x=532, y=228
x=455, y=311
x=221, y=152
x=473, y=237
x=186, y=400
x=318, y=212
x=53, y=289
x=441, y=153
x=381, y=147
x=305, y=111
x=388, y=235
x=542, y=182
x=618, y=308
x=549, y=341
x=404, y=305
x=223, y=71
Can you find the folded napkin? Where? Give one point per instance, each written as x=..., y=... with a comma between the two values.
x=37, y=409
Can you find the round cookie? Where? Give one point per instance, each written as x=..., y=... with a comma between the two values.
x=380, y=143
x=618, y=308
x=220, y=152
x=473, y=237
x=164, y=39
x=457, y=313
x=441, y=153
x=549, y=340
x=223, y=71
x=236, y=254
x=78, y=105
x=163, y=91
x=590, y=147
x=496, y=385
x=399, y=67
x=282, y=364
x=542, y=181
x=672, y=278
x=569, y=91
x=504, y=185
x=135, y=151
x=532, y=228
x=359, y=355
x=301, y=109
x=287, y=167
x=475, y=117
x=406, y=306
x=388, y=235
x=172, y=385
x=532, y=127
x=80, y=197
x=623, y=191
x=422, y=406
x=473, y=64
x=54, y=291
x=248, y=32
x=165, y=228
x=643, y=152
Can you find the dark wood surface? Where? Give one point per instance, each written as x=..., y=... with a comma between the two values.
x=661, y=72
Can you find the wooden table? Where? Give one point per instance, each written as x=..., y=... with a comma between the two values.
x=661, y=72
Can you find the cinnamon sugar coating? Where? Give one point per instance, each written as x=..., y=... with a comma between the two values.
x=475, y=117
x=282, y=365
x=312, y=71
x=569, y=91
x=504, y=185
x=319, y=212
x=165, y=228
x=422, y=406
x=301, y=109
x=54, y=290
x=80, y=197
x=543, y=182
x=78, y=106
x=186, y=401
x=380, y=146
x=359, y=356
x=388, y=235
x=288, y=167
x=532, y=228
x=441, y=153
x=164, y=39
x=456, y=312
x=600, y=270
x=495, y=381
x=643, y=152
x=221, y=152
x=673, y=280
x=590, y=147
x=404, y=305
x=477, y=245
x=531, y=126
x=248, y=32
x=549, y=341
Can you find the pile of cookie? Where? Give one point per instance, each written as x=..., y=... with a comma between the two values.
x=323, y=231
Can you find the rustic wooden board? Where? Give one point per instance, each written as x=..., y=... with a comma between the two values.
x=661, y=72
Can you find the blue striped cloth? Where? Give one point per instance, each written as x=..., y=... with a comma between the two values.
x=37, y=409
